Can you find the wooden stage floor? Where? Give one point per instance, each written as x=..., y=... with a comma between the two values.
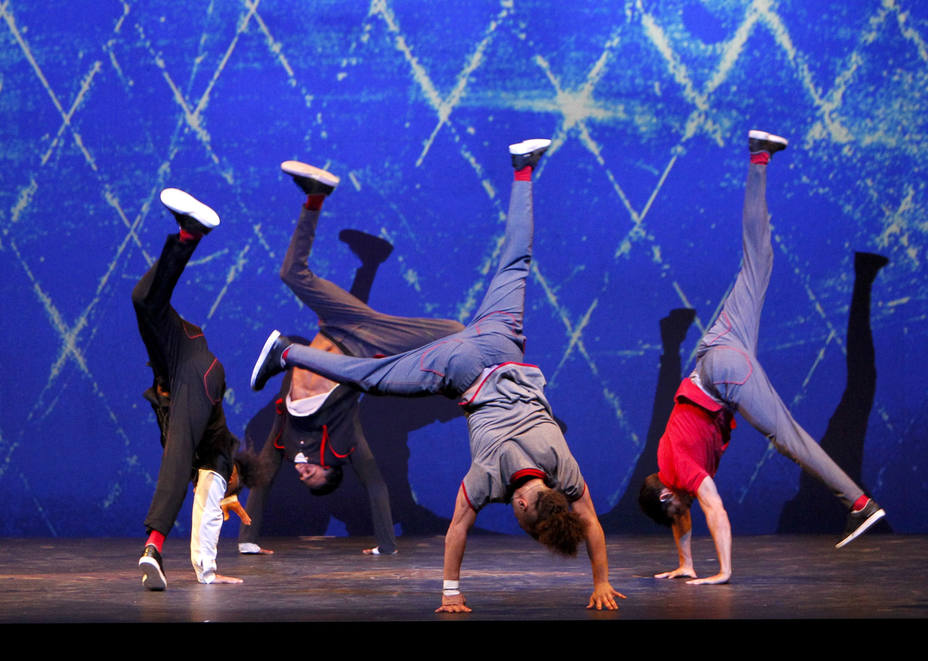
x=505, y=578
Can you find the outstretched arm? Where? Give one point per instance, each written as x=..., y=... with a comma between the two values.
x=719, y=527
x=206, y=524
x=257, y=496
x=455, y=543
x=603, y=593
x=364, y=464
x=682, y=532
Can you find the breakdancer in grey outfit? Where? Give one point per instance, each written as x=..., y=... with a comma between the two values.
x=317, y=427
x=518, y=452
x=728, y=378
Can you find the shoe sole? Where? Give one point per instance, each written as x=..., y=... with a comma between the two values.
x=528, y=146
x=768, y=137
x=299, y=169
x=862, y=528
x=186, y=204
x=263, y=356
x=152, y=576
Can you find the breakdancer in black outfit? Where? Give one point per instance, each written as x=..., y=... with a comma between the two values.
x=189, y=382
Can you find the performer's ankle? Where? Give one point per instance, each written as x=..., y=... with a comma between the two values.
x=760, y=158
x=186, y=236
x=155, y=539
x=314, y=202
x=525, y=174
x=860, y=503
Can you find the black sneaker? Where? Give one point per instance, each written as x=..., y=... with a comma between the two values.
x=311, y=180
x=528, y=152
x=370, y=249
x=152, y=568
x=759, y=141
x=269, y=361
x=859, y=522
x=191, y=214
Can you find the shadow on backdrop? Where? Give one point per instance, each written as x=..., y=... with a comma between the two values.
x=626, y=516
x=847, y=428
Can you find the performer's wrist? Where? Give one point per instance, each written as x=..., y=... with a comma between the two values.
x=451, y=588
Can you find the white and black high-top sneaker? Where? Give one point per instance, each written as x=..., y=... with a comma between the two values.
x=528, y=152
x=759, y=141
x=311, y=180
x=859, y=522
x=153, y=577
x=269, y=360
x=191, y=214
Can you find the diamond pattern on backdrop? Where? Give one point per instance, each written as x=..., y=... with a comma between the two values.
x=637, y=208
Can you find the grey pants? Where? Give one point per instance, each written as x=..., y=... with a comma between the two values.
x=727, y=354
x=450, y=365
x=355, y=327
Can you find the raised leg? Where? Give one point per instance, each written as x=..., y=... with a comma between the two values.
x=756, y=400
x=160, y=326
x=348, y=321
x=739, y=320
x=449, y=365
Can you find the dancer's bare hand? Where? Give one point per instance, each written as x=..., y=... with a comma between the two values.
x=232, y=505
x=219, y=578
x=718, y=579
x=679, y=572
x=604, y=596
x=455, y=604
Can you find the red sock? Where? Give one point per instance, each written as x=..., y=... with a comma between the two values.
x=860, y=503
x=189, y=236
x=761, y=158
x=314, y=202
x=283, y=356
x=525, y=174
x=156, y=539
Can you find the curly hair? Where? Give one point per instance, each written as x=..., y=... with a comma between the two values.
x=555, y=525
x=253, y=472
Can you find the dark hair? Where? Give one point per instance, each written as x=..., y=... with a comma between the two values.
x=251, y=470
x=333, y=478
x=555, y=525
x=649, y=500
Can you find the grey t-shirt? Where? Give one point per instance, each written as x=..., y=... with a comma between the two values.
x=513, y=433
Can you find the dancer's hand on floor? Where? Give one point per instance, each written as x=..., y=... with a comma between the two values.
x=684, y=572
x=718, y=579
x=604, y=596
x=227, y=579
x=455, y=604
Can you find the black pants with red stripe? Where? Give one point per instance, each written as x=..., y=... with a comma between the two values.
x=193, y=426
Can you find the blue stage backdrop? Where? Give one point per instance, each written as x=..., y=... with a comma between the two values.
x=413, y=104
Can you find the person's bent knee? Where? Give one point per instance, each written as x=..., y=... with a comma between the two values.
x=294, y=275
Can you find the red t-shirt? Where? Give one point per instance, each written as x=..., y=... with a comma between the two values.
x=696, y=435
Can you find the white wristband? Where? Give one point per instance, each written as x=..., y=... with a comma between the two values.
x=451, y=588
